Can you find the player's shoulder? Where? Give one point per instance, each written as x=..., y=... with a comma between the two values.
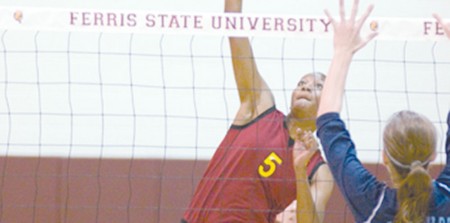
x=271, y=113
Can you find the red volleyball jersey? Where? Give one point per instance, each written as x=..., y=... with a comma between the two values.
x=251, y=177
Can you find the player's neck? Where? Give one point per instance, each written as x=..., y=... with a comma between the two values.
x=304, y=123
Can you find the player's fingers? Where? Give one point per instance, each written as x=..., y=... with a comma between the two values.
x=306, y=137
x=354, y=10
x=367, y=40
x=438, y=18
x=364, y=17
x=330, y=18
x=299, y=145
x=342, y=10
x=299, y=133
x=442, y=23
x=370, y=37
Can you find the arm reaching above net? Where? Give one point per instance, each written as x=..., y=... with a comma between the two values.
x=347, y=41
x=409, y=144
x=254, y=94
x=348, y=172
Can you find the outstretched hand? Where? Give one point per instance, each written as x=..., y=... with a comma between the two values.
x=347, y=31
x=446, y=26
x=304, y=148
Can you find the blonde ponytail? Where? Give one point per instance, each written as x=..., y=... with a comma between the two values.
x=413, y=196
x=410, y=145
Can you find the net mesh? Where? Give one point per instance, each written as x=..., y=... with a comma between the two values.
x=98, y=125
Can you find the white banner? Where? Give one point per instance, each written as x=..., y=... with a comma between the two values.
x=228, y=24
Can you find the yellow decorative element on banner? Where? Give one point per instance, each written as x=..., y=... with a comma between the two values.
x=374, y=25
x=18, y=16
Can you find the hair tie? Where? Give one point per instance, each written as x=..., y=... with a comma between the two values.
x=397, y=163
x=415, y=164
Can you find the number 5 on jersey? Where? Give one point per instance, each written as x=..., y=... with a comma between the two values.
x=270, y=165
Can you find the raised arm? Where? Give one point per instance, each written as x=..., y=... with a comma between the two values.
x=254, y=94
x=358, y=186
x=347, y=41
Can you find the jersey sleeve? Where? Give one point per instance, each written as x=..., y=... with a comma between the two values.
x=361, y=190
x=314, y=163
x=444, y=177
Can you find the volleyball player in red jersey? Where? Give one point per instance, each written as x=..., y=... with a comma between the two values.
x=251, y=176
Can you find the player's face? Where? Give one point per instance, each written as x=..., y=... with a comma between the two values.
x=307, y=93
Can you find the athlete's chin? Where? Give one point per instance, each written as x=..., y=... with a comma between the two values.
x=304, y=105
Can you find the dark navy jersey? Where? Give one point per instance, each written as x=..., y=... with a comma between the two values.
x=251, y=176
x=369, y=199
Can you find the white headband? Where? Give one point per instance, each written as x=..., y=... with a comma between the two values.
x=404, y=166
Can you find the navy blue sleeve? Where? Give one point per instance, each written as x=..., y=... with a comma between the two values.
x=444, y=177
x=359, y=187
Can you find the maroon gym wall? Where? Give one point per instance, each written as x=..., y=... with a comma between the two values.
x=112, y=190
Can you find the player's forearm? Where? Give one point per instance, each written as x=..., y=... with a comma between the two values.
x=247, y=77
x=334, y=87
x=306, y=210
x=248, y=80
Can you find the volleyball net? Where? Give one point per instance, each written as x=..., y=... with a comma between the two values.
x=138, y=85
